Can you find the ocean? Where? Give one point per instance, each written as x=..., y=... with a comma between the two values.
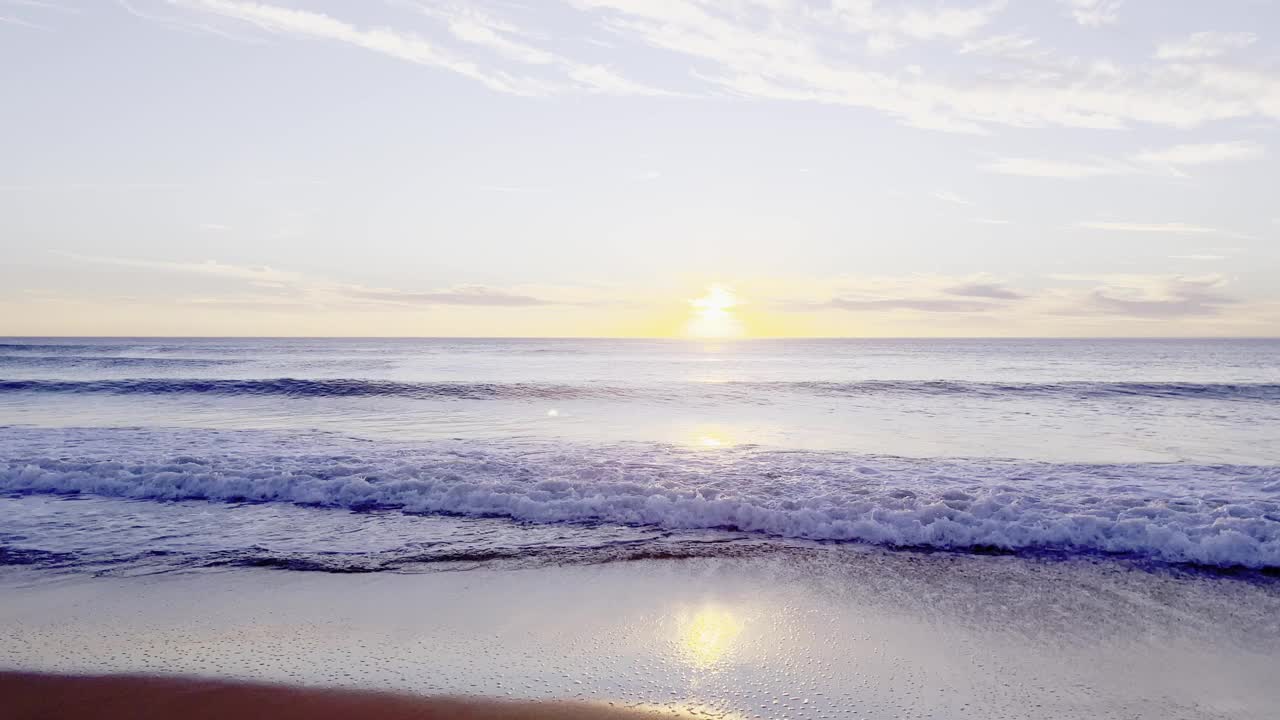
x=127, y=456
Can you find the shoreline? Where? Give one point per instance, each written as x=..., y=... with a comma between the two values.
x=878, y=634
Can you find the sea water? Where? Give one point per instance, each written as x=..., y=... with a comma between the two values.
x=340, y=454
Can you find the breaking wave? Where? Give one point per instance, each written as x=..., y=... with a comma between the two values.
x=1212, y=515
x=294, y=387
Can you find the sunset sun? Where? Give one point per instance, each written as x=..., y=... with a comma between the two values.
x=713, y=314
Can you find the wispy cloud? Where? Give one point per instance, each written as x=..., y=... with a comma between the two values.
x=294, y=288
x=207, y=267
x=1062, y=169
x=928, y=305
x=797, y=52
x=952, y=198
x=180, y=24
x=991, y=290
x=948, y=196
x=19, y=22
x=1202, y=154
x=481, y=29
x=604, y=80
x=1008, y=45
x=915, y=294
x=1093, y=13
x=466, y=295
x=39, y=8
x=1169, y=228
x=1164, y=228
x=1167, y=161
x=401, y=45
x=512, y=42
x=1205, y=45
x=42, y=5
x=501, y=40
x=1155, y=297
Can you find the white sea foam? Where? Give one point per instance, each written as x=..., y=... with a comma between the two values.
x=1218, y=515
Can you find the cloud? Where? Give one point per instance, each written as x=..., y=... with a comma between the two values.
x=881, y=44
x=502, y=41
x=475, y=27
x=1156, y=297
x=183, y=25
x=990, y=290
x=507, y=40
x=1093, y=300
x=400, y=45
x=42, y=5
x=293, y=288
x=1166, y=161
x=929, y=305
x=1064, y=169
x=1093, y=13
x=935, y=22
x=917, y=293
x=37, y=6
x=207, y=267
x=918, y=23
x=948, y=196
x=1170, y=228
x=1014, y=45
x=1199, y=257
x=992, y=221
x=23, y=23
x=1205, y=45
x=601, y=79
x=467, y=295
x=1202, y=154
x=793, y=51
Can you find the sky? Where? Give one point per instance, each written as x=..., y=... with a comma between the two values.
x=754, y=168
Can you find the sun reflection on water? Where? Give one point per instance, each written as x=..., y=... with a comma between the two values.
x=708, y=635
x=708, y=437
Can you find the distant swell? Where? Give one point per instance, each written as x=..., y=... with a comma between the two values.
x=110, y=362
x=290, y=387
x=752, y=391
x=1080, y=389
x=1214, y=515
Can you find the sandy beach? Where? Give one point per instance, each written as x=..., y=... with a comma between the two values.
x=112, y=697
x=808, y=632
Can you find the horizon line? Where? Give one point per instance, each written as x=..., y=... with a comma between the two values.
x=638, y=337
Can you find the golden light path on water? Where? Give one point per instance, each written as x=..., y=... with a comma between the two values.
x=708, y=636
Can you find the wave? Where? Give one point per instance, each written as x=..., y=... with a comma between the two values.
x=1065, y=389
x=291, y=387
x=49, y=347
x=733, y=390
x=1212, y=515
x=108, y=361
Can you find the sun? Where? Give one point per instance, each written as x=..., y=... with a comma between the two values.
x=713, y=314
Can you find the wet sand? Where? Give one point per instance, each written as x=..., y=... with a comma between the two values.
x=811, y=634
x=69, y=697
